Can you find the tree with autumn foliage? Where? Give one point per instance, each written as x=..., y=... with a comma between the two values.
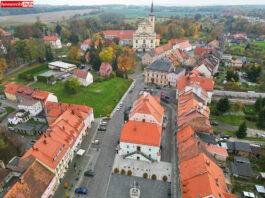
x=126, y=60
x=107, y=55
x=3, y=63
x=74, y=53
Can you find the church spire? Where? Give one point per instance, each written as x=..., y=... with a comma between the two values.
x=152, y=9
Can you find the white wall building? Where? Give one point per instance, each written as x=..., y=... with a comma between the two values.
x=84, y=77
x=33, y=107
x=54, y=41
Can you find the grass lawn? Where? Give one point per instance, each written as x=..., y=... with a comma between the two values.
x=31, y=121
x=102, y=96
x=259, y=43
x=235, y=120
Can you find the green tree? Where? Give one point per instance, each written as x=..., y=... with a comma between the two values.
x=223, y=105
x=58, y=29
x=71, y=85
x=258, y=104
x=197, y=17
x=261, y=119
x=48, y=53
x=242, y=130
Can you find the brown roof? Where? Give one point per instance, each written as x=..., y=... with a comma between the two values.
x=256, y=150
x=33, y=182
x=3, y=173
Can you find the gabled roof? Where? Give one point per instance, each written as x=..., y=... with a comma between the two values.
x=201, y=51
x=242, y=146
x=141, y=133
x=241, y=169
x=121, y=34
x=11, y=88
x=3, y=173
x=200, y=176
x=88, y=42
x=148, y=104
x=81, y=73
x=105, y=66
x=163, y=48
x=50, y=38
x=33, y=183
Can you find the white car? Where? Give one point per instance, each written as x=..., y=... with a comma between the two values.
x=118, y=108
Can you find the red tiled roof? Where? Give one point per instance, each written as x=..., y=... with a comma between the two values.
x=104, y=66
x=88, y=42
x=50, y=38
x=11, y=88
x=216, y=150
x=163, y=48
x=4, y=33
x=121, y=34
x=183, y=44
x=33, y=183
x=81, y=73
x=201, y=51
x=141, y=133
x=148, y=104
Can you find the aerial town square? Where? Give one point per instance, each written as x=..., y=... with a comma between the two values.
x=132, y=99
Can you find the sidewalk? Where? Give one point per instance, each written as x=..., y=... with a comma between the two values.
x=87, y=161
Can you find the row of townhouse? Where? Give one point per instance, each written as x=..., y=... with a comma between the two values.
x=51, y=155
x=200, y=176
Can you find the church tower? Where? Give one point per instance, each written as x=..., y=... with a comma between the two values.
x=152, y=17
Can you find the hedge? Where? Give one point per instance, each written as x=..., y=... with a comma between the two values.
x=43, y=79
x=252, y=118
x=29, y=74
x=71, y=62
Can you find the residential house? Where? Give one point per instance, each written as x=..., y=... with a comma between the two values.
x=199, y=52
x=241, y=167
x=240, y=37
x=54, y=110
x=197, y=83
x=237, y=64
x=214, y=44
x=239, y=148
x=141, y=141
x=19, y=116
x=5, y=176
x=87, y=44
x=61, y=66
x=147, y=108
x=219, y=153
x=31, y=106
x=183, y=45
x=256, y=150
x=6, y=34
x=149, y=57
x=158, y=71
x=105, y=69
x=36, y=181
x=175, y=74
x=84, y=77
x=201, y=177
x=54, y=41
x=189, y=62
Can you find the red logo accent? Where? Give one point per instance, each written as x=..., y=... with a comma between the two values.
x=16, y=4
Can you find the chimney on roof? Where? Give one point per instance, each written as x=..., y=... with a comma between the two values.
x=134, y=128
x=208, y=162
x=44, y=135
x=45, y=141
x=50, y=134
x=208, y=143
x=37, y=149
x=73, y=112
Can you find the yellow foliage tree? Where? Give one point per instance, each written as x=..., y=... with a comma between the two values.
x=96, y=37
x=3, y=63
x=107, y=55
x=176, y=64
x=74, y=53
x=126, y=60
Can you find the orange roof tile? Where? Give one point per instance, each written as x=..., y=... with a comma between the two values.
x=50, y=38
x=141, y=133
x=185, y=133
x=81, y=73
x=36, y=180
x=201, y=51
x=217, y=150
x=148, y=104
x=163, y=48
x=121, y=34
x=11, y=88
x=201, y=176
x=191, y=104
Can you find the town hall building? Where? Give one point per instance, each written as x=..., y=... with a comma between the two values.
x=144, y=38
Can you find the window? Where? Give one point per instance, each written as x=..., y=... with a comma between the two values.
x=149, y=149
x=127, y=146
x=151, y=41
x=136, y=41
x=143, y=41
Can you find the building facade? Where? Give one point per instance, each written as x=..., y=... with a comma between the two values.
x=144, y=38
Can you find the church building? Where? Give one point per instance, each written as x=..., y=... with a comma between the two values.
x=145, y=38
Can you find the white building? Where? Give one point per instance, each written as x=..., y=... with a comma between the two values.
x=144, y=38
x=84, y=77
x=61, y=66
x=54, y=41
x=33, y=107
x=205, y=70
x=18, y=117
x=140, y=141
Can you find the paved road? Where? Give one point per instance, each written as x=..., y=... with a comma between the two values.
x=97, y=187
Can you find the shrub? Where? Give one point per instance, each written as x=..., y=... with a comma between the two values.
x=252, y=118
x=153, y=177
x=129, y=172
x=112, y=75
x=42, y=79
x=164, y=178
x=116, y=170
x=119, y=74
x=131, y=71
x=145, y=175
x=101, y=78
x=123, y=171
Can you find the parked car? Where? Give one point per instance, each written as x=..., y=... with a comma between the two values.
x=130, y=91
x=102, y=129
x=103, y=123
x=214, y=123
x=81, y=191
x=95, y=142
x=89, y=69
x=167, y=97
x=89, y=173
x=118, y=108
x=158, y=87
x=224, y=136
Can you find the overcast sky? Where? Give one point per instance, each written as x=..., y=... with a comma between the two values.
x=148, y=2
